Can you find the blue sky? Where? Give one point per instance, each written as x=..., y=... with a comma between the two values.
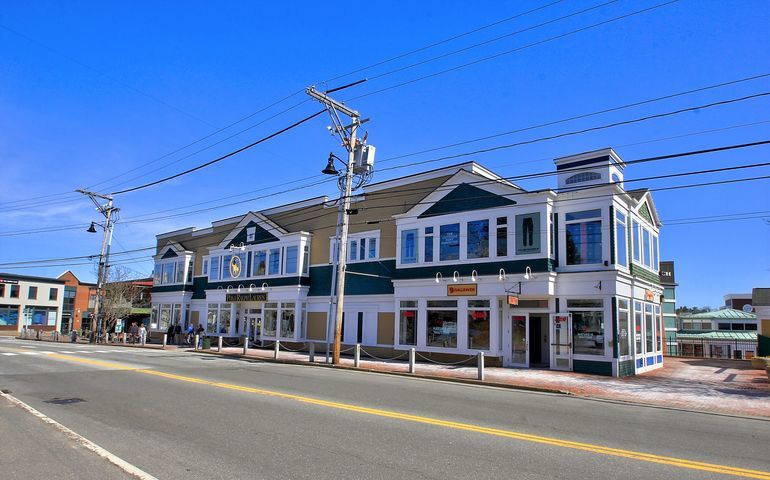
x=92, y=90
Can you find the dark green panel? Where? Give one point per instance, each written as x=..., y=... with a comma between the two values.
x=612, y=235
x=257, y=282
x=763, y=346
x=172, y=288
x=260, y=236
x=594, y=368
x=170, y=253
x=615, y=344
x=200, y=284
x=486, y=268
x=465, y=198
x=556, y=240
x=640, y=272
x=381, y=284
x=626, y=368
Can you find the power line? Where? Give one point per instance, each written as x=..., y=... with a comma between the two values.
x=219, y=159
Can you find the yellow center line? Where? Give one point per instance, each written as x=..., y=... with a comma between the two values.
x=587, y=447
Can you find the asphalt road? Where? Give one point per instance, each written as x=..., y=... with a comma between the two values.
x=186, y=415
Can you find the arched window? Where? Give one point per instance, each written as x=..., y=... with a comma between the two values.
x=616, y=178
x=583, y=177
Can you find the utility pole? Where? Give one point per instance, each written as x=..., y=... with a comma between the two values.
x=102, y=272
x=348, y=135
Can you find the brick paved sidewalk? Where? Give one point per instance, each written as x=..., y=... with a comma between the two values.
x=706, y=385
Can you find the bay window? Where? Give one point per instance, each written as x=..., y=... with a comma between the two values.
x=645, y=247
x=362, y=247
x=260, y=263
x=274, y=262
x=179, y=277
x=442, y=324
x=587, y=326
x=292, y=258
x=168, y=273
x=584, y=237
x=635, y=236
x=306, y=259
x=621, y=240
x=478, y=324
x=409, y=246
x=449, y=242
x=655, y=262
x=407, y=322
x=477, y=239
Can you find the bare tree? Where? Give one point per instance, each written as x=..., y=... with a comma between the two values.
x=119, y=293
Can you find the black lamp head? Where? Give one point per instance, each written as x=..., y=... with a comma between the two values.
x=92, y=228
x=330, y=169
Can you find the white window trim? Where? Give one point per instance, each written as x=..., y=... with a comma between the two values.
x=603, y=212
x=250, y=251
x=184, y=260
x=375, y=234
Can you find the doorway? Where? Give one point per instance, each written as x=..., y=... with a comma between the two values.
x=519, y=343
x=539, y=354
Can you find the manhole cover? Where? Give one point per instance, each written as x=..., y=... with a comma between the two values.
x=64, y=401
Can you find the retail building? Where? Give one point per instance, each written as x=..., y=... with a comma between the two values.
x=79, y=303
x=452, y=262
x=30, y=302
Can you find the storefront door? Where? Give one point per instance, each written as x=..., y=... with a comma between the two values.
x=561, y=346
x=519, y=340
x=254, y=326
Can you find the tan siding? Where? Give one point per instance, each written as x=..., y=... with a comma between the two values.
x=386, y=324
x=316, y=325
x=195, y=318
x=765, y=329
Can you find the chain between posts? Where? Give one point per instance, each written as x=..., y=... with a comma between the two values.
x=446, y=363
x=403, y=354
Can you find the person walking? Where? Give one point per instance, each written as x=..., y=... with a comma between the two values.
x=190, y=334
x=170, y=334
x=200, y=331
x=178, y=334
x=133, y=332
x=142, y=335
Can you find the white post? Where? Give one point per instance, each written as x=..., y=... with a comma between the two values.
x=125, y=338
x=219, y=343
x=311, y=353
x=276, y=348
x=165, y=341
x=357, y=357
x=197, y=338
x=245, y=345
x=411, y=359
x=480, y=362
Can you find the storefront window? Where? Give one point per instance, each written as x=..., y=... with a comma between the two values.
x=407, y=323
x=658, y=330
x=638, y=328
x=584, y=237
x=165, y=317
x=287, y=320
x=224, y=318
x=478, y=324
x=477, y=244
x=211, y=319
x=587, y=326
x=442, y=324
x=176, y=317
x=449, y=242
x=154, y=317
x=624, y=329
x=271, y=319
x=648, y=324
x=9, y=315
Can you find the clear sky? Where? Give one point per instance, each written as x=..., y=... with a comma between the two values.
x=91, y=90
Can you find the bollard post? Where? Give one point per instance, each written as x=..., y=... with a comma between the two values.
x=197, y=338
x=411, y=359
x=165, y=340
x=125, y=338
x=219, y=344
x=357, y=356
x=311, y=353
x=276, y=348
x=480, y=362
x=245, y=344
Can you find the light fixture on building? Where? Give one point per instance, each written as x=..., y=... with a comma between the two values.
x=474, y=276
x=439, y=277
x=239, y=288
x=456, y=276
x=252, y=286
x=528, y=274
x=92, y=228
x=241, y=247
x=501, y=276
x=330, y=168
x=264, y=286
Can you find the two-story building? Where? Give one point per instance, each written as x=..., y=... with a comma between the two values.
x=30, y=302
x=451, y=261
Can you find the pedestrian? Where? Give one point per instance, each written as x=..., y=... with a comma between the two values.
x=178, y=333
x=190, y=334
x=200, y=331
x=170, y=334
x=133, y=332
x=142, y=334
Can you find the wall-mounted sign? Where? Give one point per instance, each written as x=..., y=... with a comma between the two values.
x=649, y=295
x=513, y=300
x=527, y=233
x=235, y=266
x=246, y=297
x=462, y=290
x=11, y=282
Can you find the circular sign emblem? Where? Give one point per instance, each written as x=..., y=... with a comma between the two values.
x=235, y=266
x=748, y=308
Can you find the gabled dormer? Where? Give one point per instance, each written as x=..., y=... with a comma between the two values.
x=173, y=265
x=589, y=169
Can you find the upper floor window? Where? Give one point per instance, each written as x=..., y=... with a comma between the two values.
x=645, y=246
x=621, y=240
x=14, y=291
x=361, y=246
x=2, y=289
x=274, y=262
x=32, y=293
x=584, y=237
x=53, y=294
x=409, y=246
x=528, y=233
x=449, y=242
x=502, y=236
x=428, y=244
x=170, y=272
x=260, y=263
x=292, y=259
x=477, y=244
x=214, y=271
x=583, y=177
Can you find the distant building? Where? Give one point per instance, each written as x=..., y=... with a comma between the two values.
x=79, y=303
x=760, y=300
x=668, y=282
x=725, y=333
x=739, y=301
x=31, y=302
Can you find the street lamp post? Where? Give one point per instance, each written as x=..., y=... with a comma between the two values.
x=108, y=210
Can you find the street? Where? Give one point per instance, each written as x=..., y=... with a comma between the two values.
x=187, y=415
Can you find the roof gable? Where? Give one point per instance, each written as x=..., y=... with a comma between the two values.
x=464, y=198
x=264, y=231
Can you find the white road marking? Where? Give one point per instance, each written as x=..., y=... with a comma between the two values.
x=48, y=352
x=112, y=458
x=65, y=351
x=30, y=353
x=9, y=354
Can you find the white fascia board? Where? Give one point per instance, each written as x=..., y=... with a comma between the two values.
x=471, y=167
x=592, y=154
x=175, y=233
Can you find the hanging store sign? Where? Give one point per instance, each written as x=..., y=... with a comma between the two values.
x=513, y=300
x=462, y=290
x=246, y=297
x=235, y=266
x=649, y=295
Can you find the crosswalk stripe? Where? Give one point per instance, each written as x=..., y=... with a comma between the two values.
x=30, y=353
x=64, y=351
x=9, y=353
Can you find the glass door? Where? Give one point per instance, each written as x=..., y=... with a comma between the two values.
x=561, y=348
x=519, y=343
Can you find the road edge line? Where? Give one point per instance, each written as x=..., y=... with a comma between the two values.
x=83, y=441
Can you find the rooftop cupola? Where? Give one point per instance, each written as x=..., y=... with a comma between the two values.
x=591, y=168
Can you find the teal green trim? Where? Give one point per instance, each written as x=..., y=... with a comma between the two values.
x=260, y=235
x=200, y=284
x=271, y=282
x=615, y=341
x=594, y=368
x=644, y=212
x=640, y=272
x=380, y=284
x=172, y=288
x=170, y=253
x=626, y=368
x=465, y=198
x=612, y=235
x=487, y=268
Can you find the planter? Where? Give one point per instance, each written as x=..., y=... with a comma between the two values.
x=760, y=363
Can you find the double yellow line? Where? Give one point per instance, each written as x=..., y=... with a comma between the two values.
x=587, y=447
